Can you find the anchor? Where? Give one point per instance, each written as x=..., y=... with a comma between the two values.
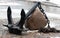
x=17, y=28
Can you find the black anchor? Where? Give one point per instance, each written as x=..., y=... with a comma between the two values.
x=18, y=27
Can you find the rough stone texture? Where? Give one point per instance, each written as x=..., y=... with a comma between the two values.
x=37, y=20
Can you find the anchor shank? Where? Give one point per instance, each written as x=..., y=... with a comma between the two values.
x=32, y=10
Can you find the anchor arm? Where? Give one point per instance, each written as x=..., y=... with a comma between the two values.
x=9, y=17
x=22, y=21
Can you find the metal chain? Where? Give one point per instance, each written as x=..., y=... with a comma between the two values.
x=44, y=15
